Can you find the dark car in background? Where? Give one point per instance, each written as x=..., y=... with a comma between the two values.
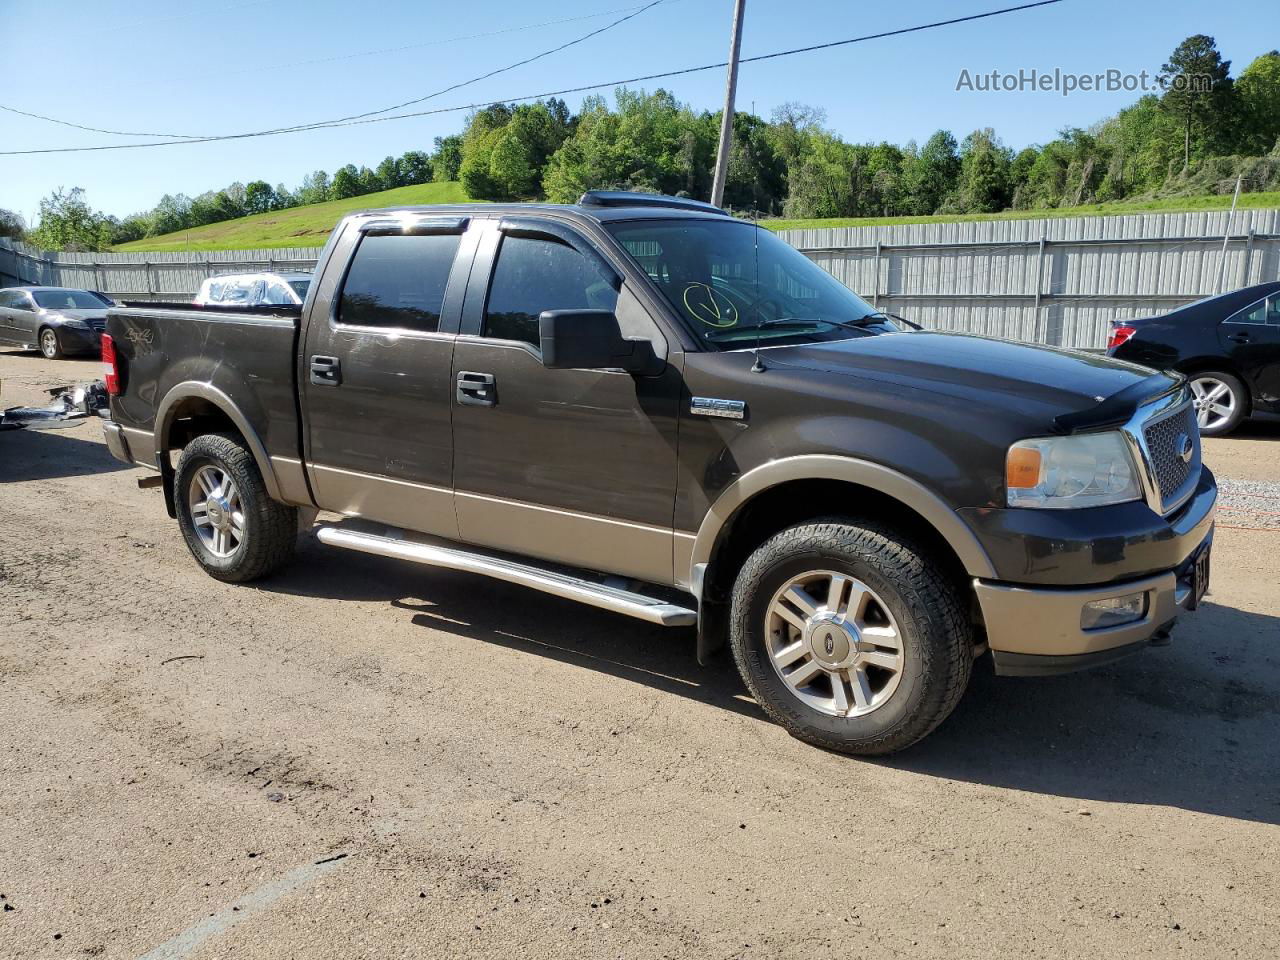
x=55, y=320
x=1228, y=346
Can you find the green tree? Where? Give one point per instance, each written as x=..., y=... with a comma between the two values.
x=415, y=167
x=390, y=174
x=447, y=160
x=1198, y=90
x=757, y=176
x=67, y=222
x=315, y=188
x=1258, y=89
x=346, y=183
x=12, y=225
x=933, y=175
x=259, y=197
x=370, y=182
x=984, y=173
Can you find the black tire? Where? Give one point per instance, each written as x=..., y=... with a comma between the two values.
x=936, y=636
x=50, y=344
x=1239, y=401
x=270, y=528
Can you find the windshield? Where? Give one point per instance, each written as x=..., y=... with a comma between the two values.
x=300, y=288
x=67, y=300
x=737, y=284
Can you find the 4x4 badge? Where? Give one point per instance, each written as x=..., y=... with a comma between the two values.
x=714, y=407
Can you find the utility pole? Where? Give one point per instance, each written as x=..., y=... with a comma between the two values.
x=1226, y=236
x=726, y=121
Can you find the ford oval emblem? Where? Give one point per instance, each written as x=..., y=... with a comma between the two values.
x=829, y=645
x=1186, y=449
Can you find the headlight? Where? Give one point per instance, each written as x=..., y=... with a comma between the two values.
x=1089, y=470
x=74, y=322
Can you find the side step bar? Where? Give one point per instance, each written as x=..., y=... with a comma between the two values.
x=561, y=585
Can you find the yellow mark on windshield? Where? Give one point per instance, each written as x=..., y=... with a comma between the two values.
x=707, y=306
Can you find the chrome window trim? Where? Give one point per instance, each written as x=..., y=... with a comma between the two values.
x=1134, y=432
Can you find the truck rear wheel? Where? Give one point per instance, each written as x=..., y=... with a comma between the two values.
x=233, y=528
x=849, y=637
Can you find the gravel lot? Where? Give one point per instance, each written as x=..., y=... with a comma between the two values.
x=361, y=758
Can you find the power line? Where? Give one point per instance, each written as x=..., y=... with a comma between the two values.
x=370, y=118
x=198, y=138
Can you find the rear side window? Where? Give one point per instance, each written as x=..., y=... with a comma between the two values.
x=398, y=281
x=533, y=275
x=1254, y=313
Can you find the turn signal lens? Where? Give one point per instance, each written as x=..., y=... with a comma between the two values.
x=1022, y=469
x=1120, y=335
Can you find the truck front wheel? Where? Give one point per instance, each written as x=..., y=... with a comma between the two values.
x=233, y=528
x=849, y=636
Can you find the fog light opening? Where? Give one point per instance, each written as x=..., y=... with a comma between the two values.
x=1113, y=612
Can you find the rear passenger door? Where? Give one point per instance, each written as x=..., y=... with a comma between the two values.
x=575, y=466
x=375, y=372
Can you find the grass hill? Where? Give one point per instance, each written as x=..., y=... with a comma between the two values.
x=309, y=226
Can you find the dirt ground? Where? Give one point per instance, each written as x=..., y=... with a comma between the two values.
x=363, y=758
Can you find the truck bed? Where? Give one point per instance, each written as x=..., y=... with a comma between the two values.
x=247, y=355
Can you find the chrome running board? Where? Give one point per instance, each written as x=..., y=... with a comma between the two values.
x=594, y=594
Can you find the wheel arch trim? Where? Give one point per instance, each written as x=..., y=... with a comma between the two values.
x=910, y=493
x=166, y=413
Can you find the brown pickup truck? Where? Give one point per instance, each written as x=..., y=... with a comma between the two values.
x=649, y=406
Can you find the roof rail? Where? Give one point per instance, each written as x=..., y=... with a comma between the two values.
x=623, y=198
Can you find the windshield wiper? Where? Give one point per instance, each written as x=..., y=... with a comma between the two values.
x=856, y=326
x=893, y=316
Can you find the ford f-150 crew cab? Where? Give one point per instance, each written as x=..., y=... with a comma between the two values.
x=647, y=405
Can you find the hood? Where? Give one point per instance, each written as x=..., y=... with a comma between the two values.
x=1043, y=382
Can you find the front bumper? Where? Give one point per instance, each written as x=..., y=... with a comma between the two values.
x=1035, y=627
x=1034, y=631
x=80, y=339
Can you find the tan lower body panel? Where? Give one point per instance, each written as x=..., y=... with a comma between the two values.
x=291, y=479
x=563, y=536
x=1046, y=622
x=142, y=446
x=414, y=506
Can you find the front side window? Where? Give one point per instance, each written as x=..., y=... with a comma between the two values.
x=533, y=275
x=736, y=285
x=398, y=280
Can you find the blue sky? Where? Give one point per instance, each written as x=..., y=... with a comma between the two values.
x=213, y=68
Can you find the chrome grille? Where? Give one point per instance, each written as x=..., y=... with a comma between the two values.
x=1163, y=438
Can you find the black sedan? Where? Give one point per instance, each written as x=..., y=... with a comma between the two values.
x=1228, y=346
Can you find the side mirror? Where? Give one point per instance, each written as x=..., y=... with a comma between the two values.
x=591, y=340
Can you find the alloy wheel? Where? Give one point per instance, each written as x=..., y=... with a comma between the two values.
x=49, y=344
x=1214, y=402
x=834, y=643
x=217, y=514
